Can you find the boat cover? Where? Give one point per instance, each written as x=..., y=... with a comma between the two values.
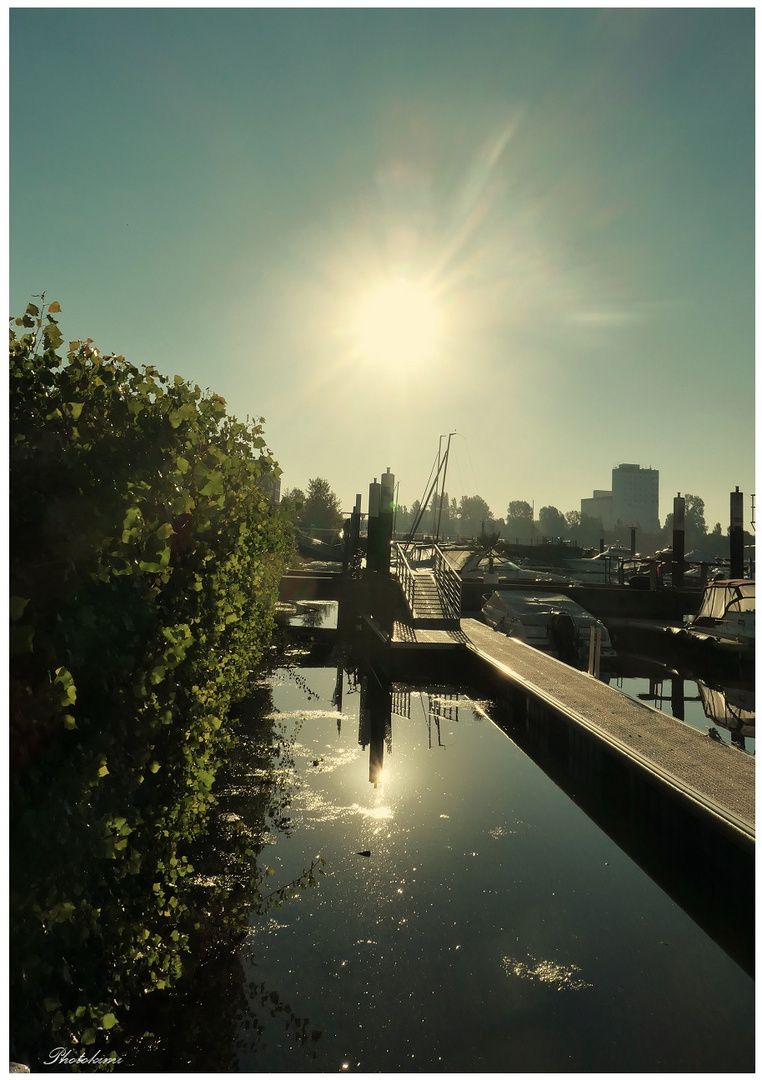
x=721, y=596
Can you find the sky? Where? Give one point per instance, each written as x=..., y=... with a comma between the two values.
x=373, y=227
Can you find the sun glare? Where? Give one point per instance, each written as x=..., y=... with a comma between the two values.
x=396, y=323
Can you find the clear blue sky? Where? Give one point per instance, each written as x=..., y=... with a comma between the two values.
x=570, y=192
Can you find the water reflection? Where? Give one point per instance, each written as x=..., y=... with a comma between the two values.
x=375, y=724
x=562, y=977
x=704, y=703
x=379, y=701
x=463, y=939
x=732, y=707
x=314, y=614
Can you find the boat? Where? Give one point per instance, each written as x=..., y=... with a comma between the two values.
x=493, y=569
x=724, y=623
x=550, y=622
x=313, y=548
x=602, y=565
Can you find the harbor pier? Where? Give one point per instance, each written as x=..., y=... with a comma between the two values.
x=678, y=801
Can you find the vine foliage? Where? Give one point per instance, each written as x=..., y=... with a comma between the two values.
x=146, y=553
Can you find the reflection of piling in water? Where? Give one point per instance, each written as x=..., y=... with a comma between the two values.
x=375, y=724
x=678, y=697
x=338, y=696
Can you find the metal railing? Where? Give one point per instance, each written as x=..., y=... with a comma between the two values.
x=406, y=576
x=448, y=582
x=449, y=585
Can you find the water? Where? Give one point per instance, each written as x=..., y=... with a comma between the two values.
x=493, y=927
x=726, y=705
x=313, y=614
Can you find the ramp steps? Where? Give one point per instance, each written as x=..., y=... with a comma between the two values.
x=429, y=610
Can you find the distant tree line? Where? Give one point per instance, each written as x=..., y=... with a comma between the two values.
x=470, y=518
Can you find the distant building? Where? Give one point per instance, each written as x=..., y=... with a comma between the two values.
x=635, y=494
x=633, y=499
x=600, y=506
x=272, y=487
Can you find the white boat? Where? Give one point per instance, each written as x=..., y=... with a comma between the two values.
x=493, y=571
x=726, y=616
x=550, y=622
x=602, y=565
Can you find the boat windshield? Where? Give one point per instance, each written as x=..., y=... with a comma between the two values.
x=722, y=597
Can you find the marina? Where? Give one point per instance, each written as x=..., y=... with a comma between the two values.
x=679, y=799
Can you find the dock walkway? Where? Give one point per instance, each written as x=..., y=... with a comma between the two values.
x=710, y=772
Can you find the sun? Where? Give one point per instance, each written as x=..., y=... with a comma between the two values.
x=396, y=323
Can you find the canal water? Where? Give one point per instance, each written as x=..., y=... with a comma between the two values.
x=725, y=706
x=471, y=918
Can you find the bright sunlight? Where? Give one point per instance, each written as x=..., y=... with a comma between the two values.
x=397, y=323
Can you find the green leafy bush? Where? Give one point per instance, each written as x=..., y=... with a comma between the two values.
x=146, y=554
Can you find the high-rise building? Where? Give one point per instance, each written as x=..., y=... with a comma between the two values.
x=633, y=499
x=635, y=496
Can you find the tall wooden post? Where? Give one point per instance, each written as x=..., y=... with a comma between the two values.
x=736, y=534
x=678, y=540
x=355, y=525
x=386, y=521
x=374, y=504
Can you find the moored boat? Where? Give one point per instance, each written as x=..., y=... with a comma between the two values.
x=550, y=622
x=725, y=619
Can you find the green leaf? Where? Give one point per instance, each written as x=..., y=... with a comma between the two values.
x=185, y=412
x=53, y=336
x=213, y=486
x=51, y=1004
x=17, y=605
x=62, y=912
x=65, y=684
x=108, y=1021
x=89, y=1037
x=73, y=409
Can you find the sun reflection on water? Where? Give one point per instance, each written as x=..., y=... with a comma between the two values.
x=562, y=977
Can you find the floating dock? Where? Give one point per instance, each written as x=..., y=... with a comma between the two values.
x=710, y=773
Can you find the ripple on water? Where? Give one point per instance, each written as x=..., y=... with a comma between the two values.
x=561, y=976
